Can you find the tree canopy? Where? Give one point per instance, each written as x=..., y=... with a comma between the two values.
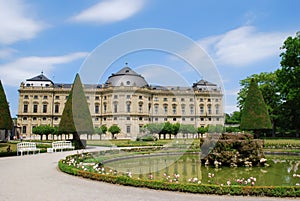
x=5, y=117
x=114, y=129
x=289, y=80
x=254, y=115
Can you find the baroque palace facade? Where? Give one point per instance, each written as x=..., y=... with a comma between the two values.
x=125, y=100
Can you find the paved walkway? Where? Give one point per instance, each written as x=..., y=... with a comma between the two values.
x=36, y=178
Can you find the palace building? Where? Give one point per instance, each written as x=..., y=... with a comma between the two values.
x=125, y=99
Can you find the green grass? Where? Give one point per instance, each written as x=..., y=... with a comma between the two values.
x=282, y=143
x=126, y=143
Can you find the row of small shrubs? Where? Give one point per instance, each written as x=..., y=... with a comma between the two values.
x=274, y=191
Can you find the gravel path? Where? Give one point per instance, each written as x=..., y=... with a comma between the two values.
x=36, y=178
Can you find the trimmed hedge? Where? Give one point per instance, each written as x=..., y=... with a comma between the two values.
x=272, y=191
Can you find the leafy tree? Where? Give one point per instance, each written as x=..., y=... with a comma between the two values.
x=186, y=129
x=175, y=129
x=44, y=130
x=234, y=118
x=114, y=129
x=202, y=130
x=76, y=118
x=255, y=115
x=288, y=80
x=102, y=130
x=6, y=122
x=267, y=83
x=167, y=129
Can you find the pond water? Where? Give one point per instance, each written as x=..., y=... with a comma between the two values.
x=282, y=170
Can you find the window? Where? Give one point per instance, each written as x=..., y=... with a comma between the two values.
x=87, y=97
x=201, y=109
x=182, y=99
x=201, y=99
x=97, y=109
x=56, y=97
x=128, y=82
x=55, y=118
x=128, y=96
x=35, y=108
x=165, y=99
x=155, y=98
x=209, y=109
x=115, y=118
x=209, y=119
x=56, y=108
x=191, y=99
x=44, y=118
x=217, y=100
x=174, y=109
x=174, y=99
x=141, y=97
x=192, y=119
x=44, y=108
x=218, y=119
x=217, y=109
x=67, y=97
x=128, y=129
x=128, y=118
x=141, y=118
x=26, y=97
x=183, y=109
x=115, y=96
x=96, y=119
x=156, y=109
x=24, y=129
x=35, y=97
x=128, y=107
x=174, y=119
x=34, y=118
x=25, y=108
x=208, y=100
x=104, y=119
x=202, y=119
x=165, y=109
x=104, y=97
x=183, y=118
x=115, y=108
x=192, y=109
x=165, y=119
x=24, y=118
x=104, y=107
x=45, y=97
x=96, y=97
x=140, y=107
x=156, y=119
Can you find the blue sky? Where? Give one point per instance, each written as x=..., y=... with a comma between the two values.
x=241, y=37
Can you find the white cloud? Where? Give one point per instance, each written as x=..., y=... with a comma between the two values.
x=229, y=109
x=13, y=73
x=243, y=46
x=109, y=11
x=6, y=52
x=16, y=23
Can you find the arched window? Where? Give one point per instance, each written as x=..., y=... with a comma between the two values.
x=96, y=108
x=165, y=108
x=192, y=110
x=104, y=107
x=140, y=107
x=209, y=109
x=156, y=109
x=201, y=107
x=56, y=108
x=183, y=108
x=128, y=106
x=174, y=108
x=115, y=107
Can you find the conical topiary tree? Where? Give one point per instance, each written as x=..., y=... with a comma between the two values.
x=76, y=118
x=254, y=115
x=6, y=123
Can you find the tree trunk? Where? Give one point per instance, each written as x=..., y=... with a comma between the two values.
x=273, y=128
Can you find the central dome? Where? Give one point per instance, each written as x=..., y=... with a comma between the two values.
x=126, y=77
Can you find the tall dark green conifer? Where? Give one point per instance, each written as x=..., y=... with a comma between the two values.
x=254, y=115
x=6, y=123
x=76, y=118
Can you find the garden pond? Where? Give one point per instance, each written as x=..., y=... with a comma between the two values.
x=279, y=171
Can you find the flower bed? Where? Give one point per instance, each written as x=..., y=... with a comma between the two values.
x=77, y=165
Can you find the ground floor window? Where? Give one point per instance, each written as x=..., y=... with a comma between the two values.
x=127, y=129
x=24, y=129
